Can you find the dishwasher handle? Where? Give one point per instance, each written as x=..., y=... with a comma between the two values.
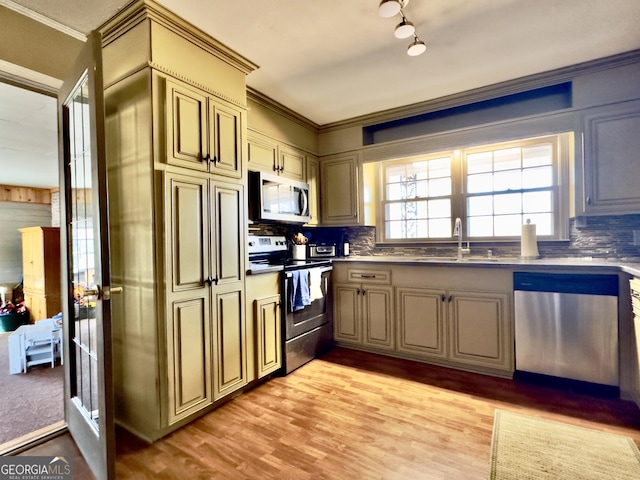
x=586, y=284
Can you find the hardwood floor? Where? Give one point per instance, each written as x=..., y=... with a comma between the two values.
x=353, y=415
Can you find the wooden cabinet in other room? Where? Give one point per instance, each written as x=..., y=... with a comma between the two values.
x=206, y=332
x=363, y=312
x=41, y=271
x=264, y=314
x=267, y=155
x=202, y=133
x=610, y=160
x=339, y=191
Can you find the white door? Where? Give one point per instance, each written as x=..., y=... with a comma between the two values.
x=89, y=406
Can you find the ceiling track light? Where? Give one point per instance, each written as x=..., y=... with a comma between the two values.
x=405, y=29
x=390, y=8
x=417, y=47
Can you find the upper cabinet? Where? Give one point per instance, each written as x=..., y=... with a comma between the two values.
x=610, y=160
x=313, y=179
x=202, y=133
x=268, y=155
x=339, y=191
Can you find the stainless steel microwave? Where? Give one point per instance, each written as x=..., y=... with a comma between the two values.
x=273, y=198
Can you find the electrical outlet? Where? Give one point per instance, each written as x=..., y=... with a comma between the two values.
x=636, y=237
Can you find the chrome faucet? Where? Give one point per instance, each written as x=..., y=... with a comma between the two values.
x=457, y=232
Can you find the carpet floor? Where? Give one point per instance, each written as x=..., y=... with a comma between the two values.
x=29, y=401
x=525, y=447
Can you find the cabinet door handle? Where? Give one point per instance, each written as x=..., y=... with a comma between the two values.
x=215, y=160
x=443, y=298
x=207, y=158
x=450, y=299
x=365, y=275
x=363, y=291
x=588, y=200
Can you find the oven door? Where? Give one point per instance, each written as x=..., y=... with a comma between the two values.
x=308, y=299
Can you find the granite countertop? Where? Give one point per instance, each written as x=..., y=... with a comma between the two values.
x=631, y=267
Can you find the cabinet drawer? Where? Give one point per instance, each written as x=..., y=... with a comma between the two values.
x=369, y=276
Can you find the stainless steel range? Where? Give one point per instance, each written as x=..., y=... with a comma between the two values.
x=306, y=298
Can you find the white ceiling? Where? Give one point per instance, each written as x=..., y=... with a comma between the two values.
x=332, y=60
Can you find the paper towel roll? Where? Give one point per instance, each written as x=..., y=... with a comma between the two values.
x=529, y=243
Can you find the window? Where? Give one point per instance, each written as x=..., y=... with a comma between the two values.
x=493, y=188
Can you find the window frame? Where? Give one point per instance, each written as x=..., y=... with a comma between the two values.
x=561, y=159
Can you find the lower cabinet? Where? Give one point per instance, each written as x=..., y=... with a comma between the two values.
x=264, y=314
x=635, y=305
x=463, y=327
x=364, y=315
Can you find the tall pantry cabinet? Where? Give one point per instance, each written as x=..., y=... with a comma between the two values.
x=175, y=104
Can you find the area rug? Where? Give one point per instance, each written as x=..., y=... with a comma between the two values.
x=525, y=447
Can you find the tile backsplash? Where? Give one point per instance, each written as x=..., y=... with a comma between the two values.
x=609, y=236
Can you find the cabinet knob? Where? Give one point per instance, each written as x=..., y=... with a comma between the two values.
x=450, y=299
x=206, y=158
x=443, y=298
x=588, y=200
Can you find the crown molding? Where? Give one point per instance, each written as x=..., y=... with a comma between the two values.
x=42, y=19
x=280, y=109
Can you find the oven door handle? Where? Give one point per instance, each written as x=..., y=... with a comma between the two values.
x=322, y=270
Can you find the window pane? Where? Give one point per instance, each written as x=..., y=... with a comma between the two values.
x=537, y=202
x=481, y=226
x=394, y=192
x=479, y=162
x=395, y=173
x=440, y=228
x=537, y=155
x=506, y=159
x=537, y=177
x=417, y=170
x=508, y=225
x=395, y=230
x=440, y=168
x=480, y=205
x=440, y=187
x=480, y=183
x=543, y=223
x=440, y=209
x=507, y=203
x=422, y=209
x=509, y=180
x=395, y=211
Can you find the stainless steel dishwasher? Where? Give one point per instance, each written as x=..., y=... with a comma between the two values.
x=566, y=325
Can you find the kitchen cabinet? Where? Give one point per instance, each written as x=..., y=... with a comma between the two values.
x=205, y=300
x=339, y=190
x=175, y=129
x=610, y=160
x=264, y=314
x=313, y=179
x=635, y=305
x=41, y=271
x=363, y=312
x=267, y=155
x=431, y=314
x=202, y=133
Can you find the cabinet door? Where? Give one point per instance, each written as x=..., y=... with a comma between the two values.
x=227, y=238
x=377, y=317
x=421, y=323
x=313, y=179
x=188, y=329
x=268, y=332
x=346, y=314
x=186, y=126
x=340, y=197
x=225, y=140
x=480, y=329
x=189, y=358
x=611, y=146
x=262, y=153
x=292, y=163
x=230, y=353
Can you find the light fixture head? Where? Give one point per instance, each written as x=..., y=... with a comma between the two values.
x=416, y=48
x=390, y=8
x=404, y=29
